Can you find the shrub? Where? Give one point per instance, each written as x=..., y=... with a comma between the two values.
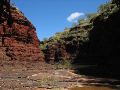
x=91, y=15
x=42, y=46
x=107, y=9
x=64, y=64
x=81, y=21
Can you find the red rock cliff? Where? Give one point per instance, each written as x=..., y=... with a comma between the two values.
x=18, y=39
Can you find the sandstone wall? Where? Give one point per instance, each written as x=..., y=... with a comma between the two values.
x=18, y=39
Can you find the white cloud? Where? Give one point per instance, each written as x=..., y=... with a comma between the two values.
x=74, y=16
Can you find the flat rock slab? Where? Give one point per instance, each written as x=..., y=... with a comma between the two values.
x=41, y=76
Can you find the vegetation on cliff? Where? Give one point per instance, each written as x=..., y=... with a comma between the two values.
x=94, y=40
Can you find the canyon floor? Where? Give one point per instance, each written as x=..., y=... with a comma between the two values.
x=41, y=76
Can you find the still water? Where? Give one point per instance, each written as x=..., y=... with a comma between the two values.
x=91, y=88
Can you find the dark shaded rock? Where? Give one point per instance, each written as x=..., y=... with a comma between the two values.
x=104, y=38
x=55, y=53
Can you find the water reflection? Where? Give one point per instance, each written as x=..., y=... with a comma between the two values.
x=91, y=88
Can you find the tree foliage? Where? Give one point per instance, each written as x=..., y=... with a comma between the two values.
x=107, y=9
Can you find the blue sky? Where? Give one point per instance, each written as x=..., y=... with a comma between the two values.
x=51, y=16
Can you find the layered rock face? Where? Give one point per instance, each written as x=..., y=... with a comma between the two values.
x=55, y=53
x=18, y=39
x=69, y=44
x=96, y=41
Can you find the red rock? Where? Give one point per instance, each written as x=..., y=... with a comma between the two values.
x=19, y=39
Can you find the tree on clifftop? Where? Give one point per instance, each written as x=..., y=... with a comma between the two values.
x=5, y=11
x=4, y=2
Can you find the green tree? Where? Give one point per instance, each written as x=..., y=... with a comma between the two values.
x=107, y=9
x=5, y=5
x=91, y=15
x=81, y=20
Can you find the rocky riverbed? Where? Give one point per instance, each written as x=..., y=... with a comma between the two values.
x=41, y=76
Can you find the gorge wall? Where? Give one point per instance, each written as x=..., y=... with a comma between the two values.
x=93, y=40
x=18, y=39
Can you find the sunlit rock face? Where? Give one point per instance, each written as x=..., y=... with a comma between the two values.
x=18, y=39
